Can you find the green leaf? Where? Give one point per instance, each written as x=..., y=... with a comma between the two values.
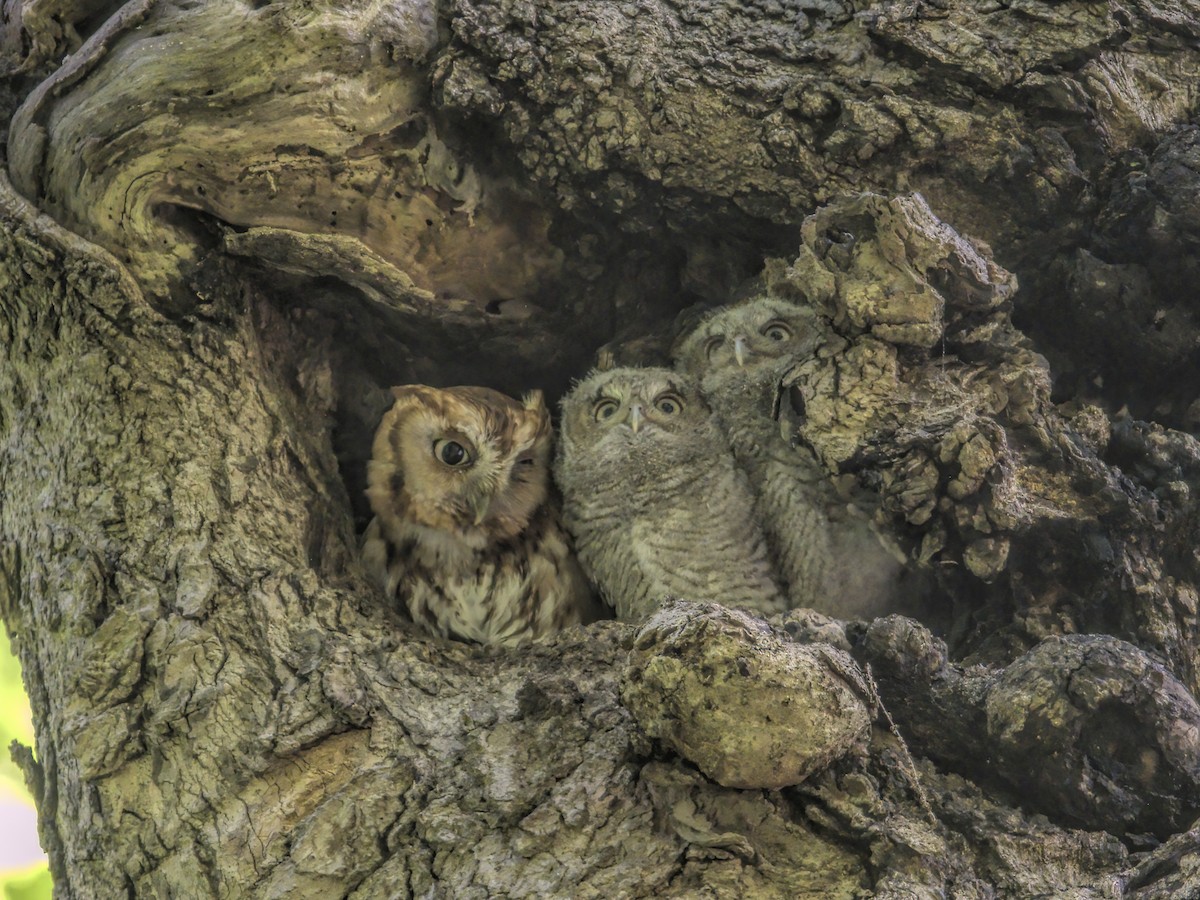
x=33, y=885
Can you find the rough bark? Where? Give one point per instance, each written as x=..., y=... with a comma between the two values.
x=1034, y=126
x=229, y=227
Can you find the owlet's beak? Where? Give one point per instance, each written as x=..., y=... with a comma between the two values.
x=635, y=417
x=739, y=350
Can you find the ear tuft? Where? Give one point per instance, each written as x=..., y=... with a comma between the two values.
x=415, y=393
x=534, y=401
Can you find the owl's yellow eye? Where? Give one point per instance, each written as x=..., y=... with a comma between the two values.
x=777, y=331
x=668, y=404
x=452, y=453
x=712, y=345
x=605, y=409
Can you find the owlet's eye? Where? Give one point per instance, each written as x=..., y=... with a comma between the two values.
x=605, y=409
x=452, y=453
x=668, y=404
x=712, y=345
x=777, y=331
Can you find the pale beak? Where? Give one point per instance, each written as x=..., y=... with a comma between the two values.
x=479, y=505
x=635, y=417
x=739, y=350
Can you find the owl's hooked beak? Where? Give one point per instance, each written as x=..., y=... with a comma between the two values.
x=739, y=350
x=635, y=417
x=480, y=508
x=479, y=502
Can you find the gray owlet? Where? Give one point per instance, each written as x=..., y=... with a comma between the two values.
x=466, y=535
x=654, y=499
x=829, y=556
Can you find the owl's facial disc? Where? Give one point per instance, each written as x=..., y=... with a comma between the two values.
x=741, y=349
x=476, y=494
x=624, y=408
x=638, y=413
x=471, y=465
x=658, y=414
x=751, y=345
x=505, y=484
x=607, y=412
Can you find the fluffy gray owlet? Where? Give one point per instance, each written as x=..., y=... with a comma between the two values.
x=654, y=499
x=466, y=535
x=829, y=556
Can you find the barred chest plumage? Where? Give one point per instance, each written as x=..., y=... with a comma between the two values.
x=499, y=593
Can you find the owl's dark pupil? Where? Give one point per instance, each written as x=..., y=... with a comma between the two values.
x=668, y=406
x=453, y=453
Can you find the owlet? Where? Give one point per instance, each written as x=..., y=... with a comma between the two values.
x=829, y=555
x=653, y=498
x=466, y=535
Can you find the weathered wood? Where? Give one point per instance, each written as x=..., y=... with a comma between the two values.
x=211, y=673
x=749, y=709
x=1084, y=728
x=708, y=129
x=735, y=119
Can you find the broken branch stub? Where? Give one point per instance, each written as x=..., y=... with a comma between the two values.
x=1097, y=733
x=1086, y=729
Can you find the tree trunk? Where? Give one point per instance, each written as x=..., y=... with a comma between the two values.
x=228, y=227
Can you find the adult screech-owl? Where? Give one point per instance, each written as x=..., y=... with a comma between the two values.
x=829, y=556
x=466, y=534
x=653, y=498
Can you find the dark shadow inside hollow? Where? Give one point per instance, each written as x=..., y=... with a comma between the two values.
x=630, y=297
